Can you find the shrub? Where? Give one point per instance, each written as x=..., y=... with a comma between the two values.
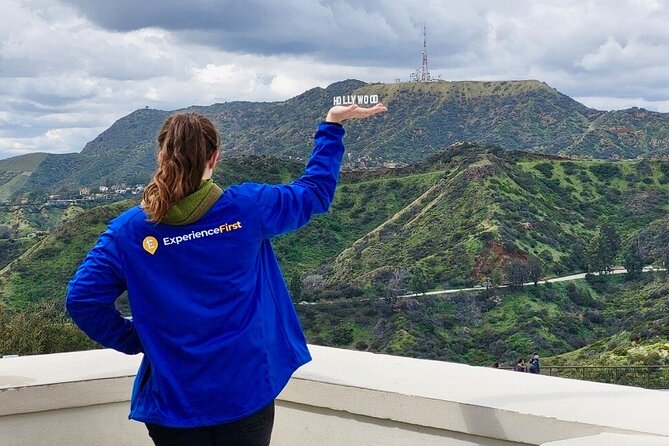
x=40, y=328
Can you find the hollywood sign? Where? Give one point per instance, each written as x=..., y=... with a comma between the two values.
x=360, y=99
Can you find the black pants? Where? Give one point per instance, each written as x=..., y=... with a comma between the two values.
x=254, y=430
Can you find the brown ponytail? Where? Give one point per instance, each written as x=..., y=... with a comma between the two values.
x=185, y=143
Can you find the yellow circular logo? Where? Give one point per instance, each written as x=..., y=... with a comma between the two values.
x=150, y=245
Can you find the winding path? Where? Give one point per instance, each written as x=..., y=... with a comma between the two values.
x=616, y=270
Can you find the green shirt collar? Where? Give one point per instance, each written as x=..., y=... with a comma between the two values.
x=192, y=207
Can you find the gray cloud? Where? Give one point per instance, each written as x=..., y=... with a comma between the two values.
x=369, y=32
x=590, y=40
x=46, y=101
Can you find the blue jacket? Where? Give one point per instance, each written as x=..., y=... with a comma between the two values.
x=210, y=308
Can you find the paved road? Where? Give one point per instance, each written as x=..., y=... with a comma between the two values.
x=616, y=270
x=555, y=279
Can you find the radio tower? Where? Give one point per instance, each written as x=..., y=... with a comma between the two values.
x=423, y=74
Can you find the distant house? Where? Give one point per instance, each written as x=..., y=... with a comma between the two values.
x=51, y=197
x=103, y=188
x=84, y=191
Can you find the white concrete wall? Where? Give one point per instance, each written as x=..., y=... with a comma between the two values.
x=105, y=424
x=341, y=398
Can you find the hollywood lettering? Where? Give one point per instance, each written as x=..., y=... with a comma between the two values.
x=360, y=99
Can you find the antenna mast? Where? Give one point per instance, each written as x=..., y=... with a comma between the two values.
x=423, y=74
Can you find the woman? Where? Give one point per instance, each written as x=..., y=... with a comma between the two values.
x=534, y=366
x=211, y=311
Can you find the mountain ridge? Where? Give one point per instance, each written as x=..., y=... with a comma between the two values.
x=424, y=118
x=458, y=217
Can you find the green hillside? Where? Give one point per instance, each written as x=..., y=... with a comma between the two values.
x=22, y=163
x=460, y=217
x=423, y=119
x=15, y=172
x=26, y=221
x=483, y=327
x=13, y=186
x=622, y=349
x=623, y=134
x=463, y=215
x=637, y=315
x=46, y=265
x=474, y=209
x=11, y=249
x=43, y=272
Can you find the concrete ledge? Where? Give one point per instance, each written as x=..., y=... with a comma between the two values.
x=65, y=380
x=612, y=440
x=340, y=398
x=485, y=402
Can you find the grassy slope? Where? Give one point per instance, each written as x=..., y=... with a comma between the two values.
x=15, y=172
x=621, y=133
x=43, y=272
x=431, y=230
x=25, y=220
x=416, y=203
x=477, y=328
x=12, y=186
x=22, y=163
x=477, y=211
x=352, y=215
x=636, y=315
x=621, y=349
x=459, y=211
x=10, y=249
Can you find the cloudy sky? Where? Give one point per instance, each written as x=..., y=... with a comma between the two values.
x=70, y=68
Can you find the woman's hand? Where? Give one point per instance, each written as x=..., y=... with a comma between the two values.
x=340, y=113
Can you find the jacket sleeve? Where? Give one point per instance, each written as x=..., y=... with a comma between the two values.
x=91, y=295
x=287, y=207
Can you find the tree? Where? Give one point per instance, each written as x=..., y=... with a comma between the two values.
x=342, y=334
x=496, y=277
x=40, y=328
x=609, y=244
x=577, y=258
x=535, y=269
x=516, y=272
x=5, y=232
x=296, y=287
x=632, y=259
x=594, y=255
x=397, y=281
x=419, y=281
